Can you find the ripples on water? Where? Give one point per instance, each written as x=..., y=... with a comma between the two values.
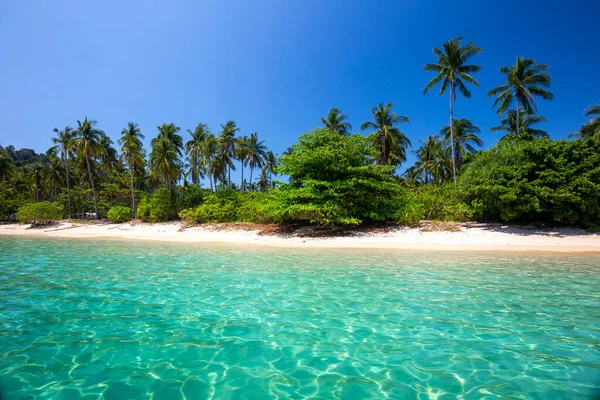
x=172, y=321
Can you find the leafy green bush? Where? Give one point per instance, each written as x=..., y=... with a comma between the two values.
x=42, y=212
x=220, y=206
x=536, y=181
x=439, y=203
x=156, y=207
x=190, y=196
x=10, y=200
x=333, y=180
x=119, y=214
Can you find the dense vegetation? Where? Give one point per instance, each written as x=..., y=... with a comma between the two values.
x=330, y=175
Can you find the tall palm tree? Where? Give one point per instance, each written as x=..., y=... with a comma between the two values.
x=426, y=158
x=271, y=165
x=524, y=123
x=591, y=129
x=524, y=80
x=87, y=145
x=62, y=143
x=452, y=69
x=132, y=152
x=335, y=122
x=209, y=150
x=7, y=166
x=194, y=150
x=108, y=156
x=389, y=140
x=465, y=136
x=263, y=182
x=256, y=153
x=54, y=174
x=34, y=175
x=241, y=153
x=228, y=143
x=165, y=157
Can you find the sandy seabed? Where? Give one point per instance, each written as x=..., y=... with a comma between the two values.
x=481, y=237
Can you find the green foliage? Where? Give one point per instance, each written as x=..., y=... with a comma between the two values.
x=119, y=214
x=156, y=207
x=40, y=212
x=190, y=196
x=220, y=206
x=440, y=203
x=541, y=181
x=333, y=180
x=10, y=200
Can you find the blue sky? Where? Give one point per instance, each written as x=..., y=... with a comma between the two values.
x=276, y=67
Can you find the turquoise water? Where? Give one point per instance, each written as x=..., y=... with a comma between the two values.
x=124, y=320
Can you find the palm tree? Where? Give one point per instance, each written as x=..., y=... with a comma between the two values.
x=524, y=80
x=108, y=156
x=62, y=143
x=256, y=153
x=452, y=69
x=165, y=158
x=87, y=144
x=132, y=152
x=194, y=150
x=465, y=136
x=263, y=182
x=509, y=125
x=389, y=140
x=210, y=149
x=335, y=122
x=241, y=152
x=591, y=129
x=34, y=175
x=426, y=159
x=228, y=143
x=7, y=166
x=271, y=165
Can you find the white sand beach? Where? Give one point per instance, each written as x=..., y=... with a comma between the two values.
x=476, y=237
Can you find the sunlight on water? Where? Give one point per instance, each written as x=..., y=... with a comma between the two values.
x=171, y=321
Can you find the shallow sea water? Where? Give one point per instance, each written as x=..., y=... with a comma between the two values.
x=127, y=320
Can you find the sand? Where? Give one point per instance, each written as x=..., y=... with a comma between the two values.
x=480, y=237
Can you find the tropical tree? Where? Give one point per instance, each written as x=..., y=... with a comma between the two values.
x=194, y=150
x=263, y=182
x=34, y=175
x=54, y=174
x=210, y=150
x=271, y=165
x=434, y=162
x=132, y=153
x=228, y=144
x=108, y=156
x=453, y=72
x=591, y=129
x=524, y=82
x=241, y=153
x=387, y=138
x=524, y=123
x=165, y=157
x=7, y=166
x=63, y=144
x=87, y=146
x=256, y=153
x=335, y=122
x=463, y=139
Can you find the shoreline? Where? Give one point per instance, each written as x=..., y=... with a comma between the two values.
x=483, y=238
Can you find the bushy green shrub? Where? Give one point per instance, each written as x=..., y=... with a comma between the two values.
x=156, y=207
x=10, y=200
x=220, y=206
x=119, y=214
x=42, y=212
x=439, y=203
x=190, y=196
x=536, y=181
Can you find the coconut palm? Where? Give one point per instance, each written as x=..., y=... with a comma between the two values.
x=241, y=153
x=210, y=151
x=256, y=153
x=132, y=153
x=108, y=156
x=425, y=159
x=54, y=174
x=87, y=146
x=525, y=121
x=263, y=182
x=388, y=139
x=228, y=144
x=335, y=122
x=465, y=136
x=591, y=129
x=194, y=150
x=62, y=144
x=165, y=157
x=34, y=175
x=524, y=81
x=453, y=72
x=271, y=165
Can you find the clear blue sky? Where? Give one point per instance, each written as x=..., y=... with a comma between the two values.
x=276, y=66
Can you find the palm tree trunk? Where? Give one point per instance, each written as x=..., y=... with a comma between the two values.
x=66, y=159
x=93, y=187
x=229, y=175
x=251, y=178
x=132, y=193
x=452, y=132
x=242, y=184
x=517, y=120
